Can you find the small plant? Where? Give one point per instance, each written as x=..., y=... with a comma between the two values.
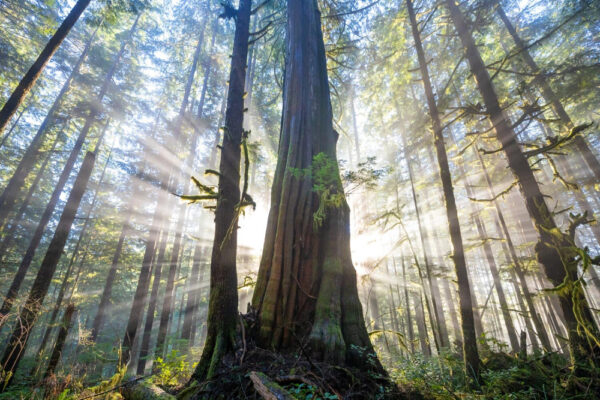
x=174, y=370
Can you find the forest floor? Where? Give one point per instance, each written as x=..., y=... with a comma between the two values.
x=504, y=376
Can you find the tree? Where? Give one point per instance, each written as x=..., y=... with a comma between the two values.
x=25, y=85
x=555, y=250
x=306, y=285
x=223, y=308
x=471, y=354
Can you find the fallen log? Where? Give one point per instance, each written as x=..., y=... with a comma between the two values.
x=267, y=388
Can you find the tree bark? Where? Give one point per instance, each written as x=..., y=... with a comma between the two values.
x=471, y=354
x=306, y=286
x=191, y=307
x=559, y=265
x=34, y=72
x=58, y=189
x=17, y=180
x=60, y=340
x=9, y=236
x=30, y=312
x=223, y=303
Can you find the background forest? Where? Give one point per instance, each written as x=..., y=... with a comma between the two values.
x=468, y=149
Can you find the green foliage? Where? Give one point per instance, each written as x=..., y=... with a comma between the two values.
x=325, y=176
x=174, y=370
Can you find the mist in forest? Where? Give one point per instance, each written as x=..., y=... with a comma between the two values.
x=299, y=199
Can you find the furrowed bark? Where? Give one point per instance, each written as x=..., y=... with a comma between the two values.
x=298, y=292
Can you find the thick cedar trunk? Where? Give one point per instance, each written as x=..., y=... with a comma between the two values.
x=17, y=180
x=34, y=72
x=62, y=180
x=30, y=312
x=60, y=340
x=551, y=97
x=558, y=264
x=306, y=286
x=471, y=354
x=223, y=304
x=9, y=236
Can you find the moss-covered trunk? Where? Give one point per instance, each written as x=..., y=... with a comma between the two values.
x=306, y=288
x=555, y=250
x=223, y=302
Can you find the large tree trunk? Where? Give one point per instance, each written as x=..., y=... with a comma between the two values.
x=223, y=303
x=62, y=180
x=34, y=72
x=555, y=251
x=471, y=354
x=17, y=180
x=30, y=312
x=306, y=286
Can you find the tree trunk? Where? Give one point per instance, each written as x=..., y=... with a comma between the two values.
x=34, y=72
x=145, y=345
x=411, y=334
x=69, y=269
x=9, y=236
x=421, y=325
x=16, y=182
x=223, y=304
x=551, y=97
x=167, y=307
x=58, y=189
x=471, y=354
x=60, y=340
x=141, y=291
x=30, y=312
x=555, y=251
x=518, y=269
x=14, y=125
x=191, y=307
x=306, y=286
